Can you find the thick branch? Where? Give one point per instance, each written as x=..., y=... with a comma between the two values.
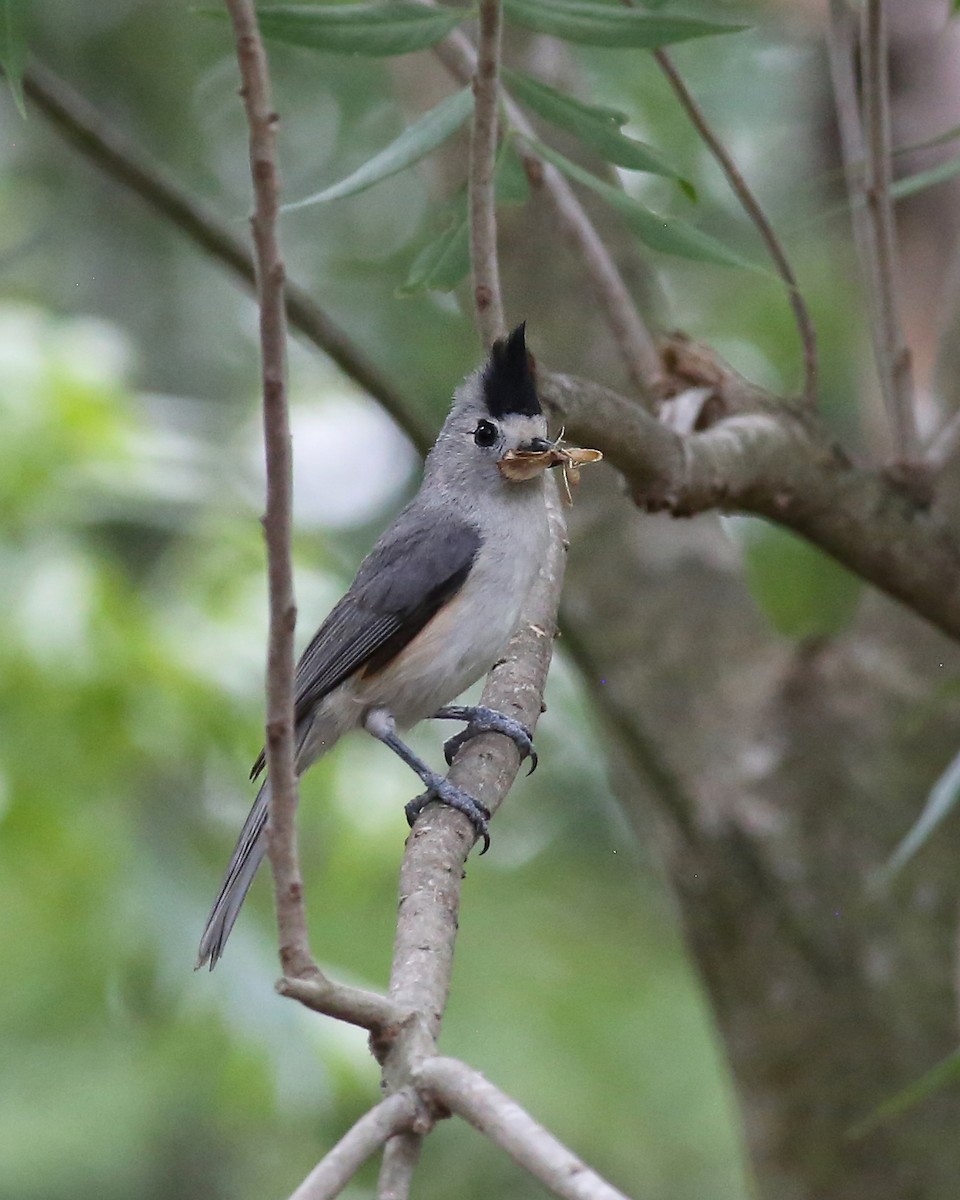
x=741, y=189
x=85, y=128
x=295, y=954
x=465, y=1092
x=431, y=876
x=760, y=456
x=335, y=1170
x=484, y=259
x=896, y=376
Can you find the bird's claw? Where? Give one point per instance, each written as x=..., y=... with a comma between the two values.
x=488, y=720
x=447, y=793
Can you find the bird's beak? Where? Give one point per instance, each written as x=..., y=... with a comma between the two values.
x=535, y=446
x=529, y=459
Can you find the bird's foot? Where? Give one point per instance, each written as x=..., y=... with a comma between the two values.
x=481, y=719
x=448, y=793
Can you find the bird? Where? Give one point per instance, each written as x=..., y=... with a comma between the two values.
x=431, y=609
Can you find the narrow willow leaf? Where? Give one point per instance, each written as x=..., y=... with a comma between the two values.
x=416, y=141
x=669, y=235
x=599, y=128
x=510, y=182
x=442, y=263
x=13, y=48
x=945, y=1073
x=942, y=798
x=445, y=261
x=594, y=24
x=911, y=184
x=371, y=29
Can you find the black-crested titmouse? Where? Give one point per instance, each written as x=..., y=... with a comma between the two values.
x=431, y=609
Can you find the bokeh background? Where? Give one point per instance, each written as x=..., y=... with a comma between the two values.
x=132, y=581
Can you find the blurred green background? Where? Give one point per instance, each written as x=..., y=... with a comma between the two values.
x=132, y=578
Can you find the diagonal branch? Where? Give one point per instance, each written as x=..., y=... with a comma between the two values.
x=431, y=876
x=86, y=128
x=465, y=1092
x=755, y=454
x=335, y=1170
x=484, y=260
x=741, y=189
x=295, y=956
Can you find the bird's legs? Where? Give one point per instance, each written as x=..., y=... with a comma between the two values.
x=481, y=719
x=380, y=723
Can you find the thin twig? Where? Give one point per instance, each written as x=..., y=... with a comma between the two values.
x=740, y=187
x=500, y=1118
x=400, y=1157
x=484, y=259
x=634, y=341
x=356, y=1006
x=896, y=371
x=335, y=1170
x=295, y=957
x=85, y=128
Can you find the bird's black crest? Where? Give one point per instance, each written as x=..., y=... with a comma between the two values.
x=509, y=385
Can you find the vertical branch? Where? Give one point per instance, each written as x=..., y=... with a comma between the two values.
x=484, y=260
x=284, y=859
x=896, y=375
x=741, y=189
x=860, y=186
x=633, y=339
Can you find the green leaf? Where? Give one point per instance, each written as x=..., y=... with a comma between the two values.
x=911, y=184
x=13, y=48
x=802, y=592
x=510, y=182
x=445, y=261
x=371, y=29
x=442, y=263
x=935, y=1080
x=941, y=800
x=597, y=24
x=416, y=141
x=668, y=235
x=597, y=127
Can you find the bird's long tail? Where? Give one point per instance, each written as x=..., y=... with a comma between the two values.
x=246, y=858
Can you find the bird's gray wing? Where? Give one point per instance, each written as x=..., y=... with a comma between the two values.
x=418, y=565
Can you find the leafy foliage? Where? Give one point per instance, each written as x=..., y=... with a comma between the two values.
x=599, y=24
x=379, y=30
x=13, y=47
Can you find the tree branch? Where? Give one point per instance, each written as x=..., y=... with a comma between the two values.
x=633, y=339
x=431, y=876
x=85, y=128
x=335, y=1170
x=650, y=455
x=741, y=189
x=484, y=259
x=860, y=166
x=465, y=1092
x=295, y=956
x=757, y=454
x=896, y=374
x=368, y=1010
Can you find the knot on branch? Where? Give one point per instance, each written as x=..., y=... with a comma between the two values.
x=915, y=481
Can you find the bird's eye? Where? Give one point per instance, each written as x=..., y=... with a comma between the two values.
x=486, y=433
